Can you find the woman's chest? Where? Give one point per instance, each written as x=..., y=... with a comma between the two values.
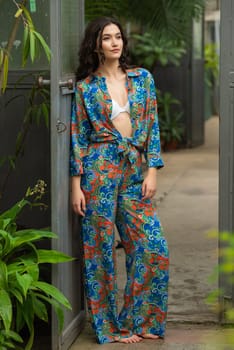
x=99, y=100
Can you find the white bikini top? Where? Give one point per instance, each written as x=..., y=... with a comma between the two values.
x=117, y=109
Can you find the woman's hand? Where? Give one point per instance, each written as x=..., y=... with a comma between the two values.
x=149, y=185
x=77, y=197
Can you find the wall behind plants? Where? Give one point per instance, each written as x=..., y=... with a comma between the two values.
x=178, y=70
x=174, y=79
x=183, y=82
x=33, y=162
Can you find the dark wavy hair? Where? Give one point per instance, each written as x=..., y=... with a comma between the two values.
x=88, y=57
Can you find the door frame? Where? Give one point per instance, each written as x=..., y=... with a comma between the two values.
x=226, y=151
x=62, y=221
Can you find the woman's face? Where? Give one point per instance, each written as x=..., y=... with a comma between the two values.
x=111, y=42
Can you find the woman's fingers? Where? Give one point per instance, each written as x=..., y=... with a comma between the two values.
x=143, y=189
x=79, y=206
x=148, y=193
x=149, y=186
x=82, y=206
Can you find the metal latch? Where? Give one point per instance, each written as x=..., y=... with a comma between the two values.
x=46, y=82
x=60, y=126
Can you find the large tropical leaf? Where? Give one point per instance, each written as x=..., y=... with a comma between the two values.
x=31, y=235
x=8, y=340
x=6, y=242
x=14, y=291
x=10, y=242
x=24, y=282
x=51, y=291
x=95, y=8
x=170, y=18
x=52, y=256
x=39, y=308
x=22, y=265
x=5, y=309
x=3, y=275
x=57, y=308
x=26, y=309
x=14, y=211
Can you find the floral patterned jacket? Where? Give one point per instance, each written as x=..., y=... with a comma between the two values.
x=91, y=118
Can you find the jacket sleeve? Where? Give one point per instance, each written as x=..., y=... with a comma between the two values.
x=80, y=131
x=153, y=146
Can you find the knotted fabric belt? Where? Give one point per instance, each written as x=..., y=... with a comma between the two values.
x=127, y=148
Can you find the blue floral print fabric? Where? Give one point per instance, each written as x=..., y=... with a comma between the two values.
x=111, y=180
x=91, y=118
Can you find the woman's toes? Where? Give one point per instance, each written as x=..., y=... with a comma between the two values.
x=129, y=340
x=150, y=336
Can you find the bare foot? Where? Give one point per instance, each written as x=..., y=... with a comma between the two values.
x=133, y=339
x=150, y=336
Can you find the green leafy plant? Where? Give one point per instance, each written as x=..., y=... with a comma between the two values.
x=211, y=64
x=170, y=121
x=33, y=42
x=226, y=263
x=211, y=78
x=148, y=50
x=23, y=295
x=171, y=19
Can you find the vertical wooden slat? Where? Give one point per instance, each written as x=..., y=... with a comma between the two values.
x=226, y=163
x=68, y=276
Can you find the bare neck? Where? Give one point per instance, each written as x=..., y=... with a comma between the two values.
x=110, y=70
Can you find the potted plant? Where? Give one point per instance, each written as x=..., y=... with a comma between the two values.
x=148, y=50
x=170, y=122
x=24, y=296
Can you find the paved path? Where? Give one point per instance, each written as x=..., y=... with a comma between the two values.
x=188, y=189
x=182, y=337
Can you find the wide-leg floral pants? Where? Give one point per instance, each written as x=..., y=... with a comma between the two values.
x=112, y=183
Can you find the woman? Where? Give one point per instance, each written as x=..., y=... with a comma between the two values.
x=114, y=120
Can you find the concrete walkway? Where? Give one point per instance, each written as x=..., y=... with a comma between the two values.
x=188, y=209
x=187, y=202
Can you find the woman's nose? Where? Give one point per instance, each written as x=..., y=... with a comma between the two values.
x=114, y=42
